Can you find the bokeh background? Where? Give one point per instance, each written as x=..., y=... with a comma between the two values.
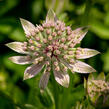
x=18, y=94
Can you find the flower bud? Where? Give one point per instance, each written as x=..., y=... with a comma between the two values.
x=57, y=68
x=54, y=34
x=48, y=31
x=49, y=54
x=49, y=37
x=98, y=91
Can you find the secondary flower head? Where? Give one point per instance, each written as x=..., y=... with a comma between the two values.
x=52, y=41
x=98, y=90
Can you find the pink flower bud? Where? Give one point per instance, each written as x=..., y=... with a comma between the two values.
x=36, y=61
x=55, y=47
x=24, y=48
x=44, y=25
x=39, y=45
x=32, y=48
x=72, y=61
x=71, y=45
x=50, y=47
x=48, y=31
x=33, y=33
x=55, y=63
x=54, y=34
x=57, y=68
x=49, y=37
x=65, y=68
x=47, y=25
x=57, y=27
x=25, y=43
x=69, y=38
x=68, y=32
x=57, y=52
x=35, y=54
x=30, y=41
x=37, y=38
x=40, y=28
x=28, y=35
x=45, y=40
x=68, y=28
x=41, y=59
x=52, y=24
x=62, y=45
x=49, y=54
x=48, y=68
x=72, y=35
x=59, y=33
x=47, y=62
x=70, y=52
x=63, y=39
x=36, y=30
x=65, y=47
x=78, y=52
x=62, y=28
x=57, y=43
x=54, y=42
x=65, y=56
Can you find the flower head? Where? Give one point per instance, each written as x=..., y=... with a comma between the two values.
x=52, y=41
x=98, y=90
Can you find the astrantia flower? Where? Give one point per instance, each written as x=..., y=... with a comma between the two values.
x=54, y=42
x=98, y=90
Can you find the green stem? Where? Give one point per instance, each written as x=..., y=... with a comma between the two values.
x=55, y=89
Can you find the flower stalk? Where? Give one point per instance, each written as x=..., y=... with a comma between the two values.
x=55, y=88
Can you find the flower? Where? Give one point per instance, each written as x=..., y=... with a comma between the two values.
x=98, y=90
x=54, y=42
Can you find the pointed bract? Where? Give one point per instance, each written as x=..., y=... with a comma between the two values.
x=107, y=77
x=62, y=78
x=90, y=77
x=101, y=76
x=21, y=59
x=44, y=80
x=27, y=26
x=83, y=53
x=79, y=34
x=82, y=67
x=32, y=71
x=17, y=46
x=51, y=17
x=85, y=83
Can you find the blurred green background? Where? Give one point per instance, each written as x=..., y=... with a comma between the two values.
x=18, y=94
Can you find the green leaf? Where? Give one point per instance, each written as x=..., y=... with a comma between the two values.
x=100, y=29
x=8, y=6
x=6, y=102
x=17, y=35
x=105, y=58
